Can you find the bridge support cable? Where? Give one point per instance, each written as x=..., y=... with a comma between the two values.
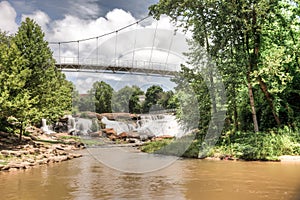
x=134, y=44
x=170, y=46
x=105, y=34
x=78, y=52
x=97, y=51
x=116, y=42
x=153, y=42
x=59, y=61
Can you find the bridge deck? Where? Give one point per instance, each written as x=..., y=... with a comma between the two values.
x=115, y=69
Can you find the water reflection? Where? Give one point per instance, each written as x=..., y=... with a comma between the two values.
x=126, y=160
x=86, y=178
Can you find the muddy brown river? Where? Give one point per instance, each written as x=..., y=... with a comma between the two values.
x=89, y=178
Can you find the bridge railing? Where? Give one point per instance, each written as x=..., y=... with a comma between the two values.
x=138, y=64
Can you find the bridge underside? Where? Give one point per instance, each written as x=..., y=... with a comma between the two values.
x=115, y=69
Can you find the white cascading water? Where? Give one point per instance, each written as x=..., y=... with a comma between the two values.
x=149, y=124
x=45, y=128
x=161, y=125
x=119, y=127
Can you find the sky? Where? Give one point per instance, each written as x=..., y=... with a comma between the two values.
x=67, y=20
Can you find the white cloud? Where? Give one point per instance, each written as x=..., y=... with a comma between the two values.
x=140, y=37
x=39, y=17
x=86, y=9
x=7, y=17
x=73, y=27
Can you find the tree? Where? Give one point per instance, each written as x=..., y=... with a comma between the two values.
x=102, y=93
x=134, y=100
x=166, y=100
x=152, y=98
x=127, y=100
x=31, y=87
x=53, y=93
x=193, y=100
x=15, y=100
x=234, y=33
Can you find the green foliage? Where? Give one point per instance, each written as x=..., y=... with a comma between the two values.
x=256, y=48
x=30, y=86
x=267, y=145
x=152, y=147
x=152, y=98
x=67, y=137
x=157, y=99
x=49, y=87
x=102, y=96
x=95, y=125
x=183, y=147
x=84, y=102
x=193, y=100
x=127, y=100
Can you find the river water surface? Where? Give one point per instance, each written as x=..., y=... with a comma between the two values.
x=86, y=178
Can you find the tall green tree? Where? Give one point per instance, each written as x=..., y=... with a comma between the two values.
x=31, y=88
x=102, y=93
x=193, y=100
x=135, y=106
x=15, y=100
x=152, y=97
x=44, y=83
x=234, y=32
x=127, y=100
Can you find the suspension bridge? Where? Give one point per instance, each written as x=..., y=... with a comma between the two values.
x=130, y=49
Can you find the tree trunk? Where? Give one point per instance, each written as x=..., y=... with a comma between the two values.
x=252, y=104
x=235, y=113
x=253, y=64
x=212, y=92
x=21, y=133
x=264, y=89
x=211, y=79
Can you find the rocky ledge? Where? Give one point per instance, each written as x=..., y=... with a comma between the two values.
x=33, y=152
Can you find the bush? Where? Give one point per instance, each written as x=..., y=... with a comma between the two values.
x=262, y=145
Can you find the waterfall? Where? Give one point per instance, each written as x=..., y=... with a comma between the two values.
x=119, y=127
x=150, y=124
x=162, y=124
x=45, y=128
x=71, y=124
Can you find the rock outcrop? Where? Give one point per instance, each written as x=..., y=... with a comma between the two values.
x=35, y=150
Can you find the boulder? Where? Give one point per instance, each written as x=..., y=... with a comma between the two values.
x=113, y=137
x=60, y=158
x=76, y=155
x=133, y=134
x=143, y=137
x=133, y=140
x=123, y=135
x=166, y=136
x=96, y=134
x=118, y=116
x=18, y=165
x=110, y=131
x=4, y=134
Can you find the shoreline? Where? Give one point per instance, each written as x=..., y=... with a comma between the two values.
x=282, y=159
x=43, y=149
x=35, y=151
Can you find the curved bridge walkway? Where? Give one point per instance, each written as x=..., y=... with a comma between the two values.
x=115, y=57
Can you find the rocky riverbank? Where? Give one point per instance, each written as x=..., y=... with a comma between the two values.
x=38, y=149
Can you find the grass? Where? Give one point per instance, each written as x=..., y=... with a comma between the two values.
x=152, y=147
x=265, y=146
x=92, y=142
x=67, y=137
x=182, y=147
